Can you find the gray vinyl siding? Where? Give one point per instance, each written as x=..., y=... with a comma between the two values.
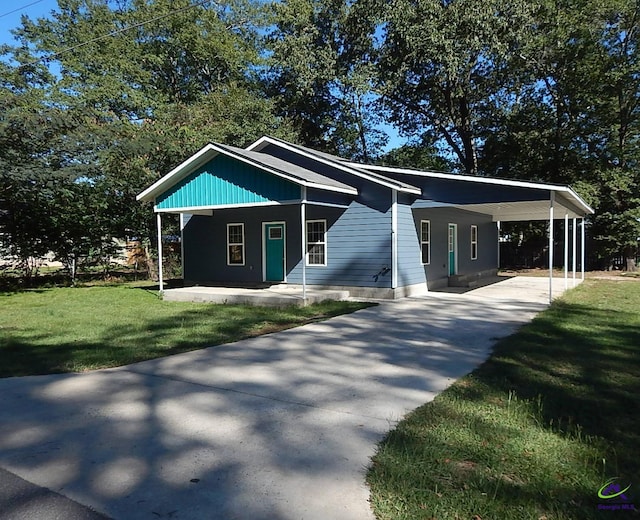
x=205, y=243
x=358, y=248
x=437, y=271
x=410, y=268
x=358, y=244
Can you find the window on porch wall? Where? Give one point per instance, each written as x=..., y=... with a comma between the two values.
x=474, y=242
x=316, y=242
x=425, y=241
x=235, y=244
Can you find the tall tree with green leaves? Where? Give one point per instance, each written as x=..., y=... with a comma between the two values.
x=442, y=67
x=575, y=114
x=141, y=85
x=320, y=75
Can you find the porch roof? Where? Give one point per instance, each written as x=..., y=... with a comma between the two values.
x=272, y=166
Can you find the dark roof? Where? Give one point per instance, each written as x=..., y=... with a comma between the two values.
x=341, y=164
x=286, y=169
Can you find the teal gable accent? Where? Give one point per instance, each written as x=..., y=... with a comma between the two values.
x=225, y=181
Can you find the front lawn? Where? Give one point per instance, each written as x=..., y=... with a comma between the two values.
x=536, y=431
x=75, y=329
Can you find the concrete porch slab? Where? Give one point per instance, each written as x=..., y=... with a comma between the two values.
x=274, y=296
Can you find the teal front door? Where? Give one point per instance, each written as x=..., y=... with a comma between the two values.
x=274, y=252
x=453, y=246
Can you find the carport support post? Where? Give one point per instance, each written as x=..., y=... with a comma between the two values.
x=552, y=198
x=160, y=274
x=566, y=251
x=498, y=226
x=303, y=220
x=582, y=247
x=575, y=221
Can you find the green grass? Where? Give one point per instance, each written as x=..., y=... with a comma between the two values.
x=76, y=329
x=535, y=431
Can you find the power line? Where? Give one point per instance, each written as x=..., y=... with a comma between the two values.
x=21, y=8
x=113, y=33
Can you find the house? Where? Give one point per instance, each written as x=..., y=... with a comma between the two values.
x=277, y=212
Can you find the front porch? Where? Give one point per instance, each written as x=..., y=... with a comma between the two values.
x=280, y=295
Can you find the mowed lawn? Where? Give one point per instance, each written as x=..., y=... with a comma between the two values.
x=535, y=432
x=76, y=329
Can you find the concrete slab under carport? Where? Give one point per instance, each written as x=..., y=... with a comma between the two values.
x=275, y=427
x=512, y=287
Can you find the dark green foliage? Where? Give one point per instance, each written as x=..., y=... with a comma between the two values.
x=538, y=90
x=321, y=75
x=78, y=145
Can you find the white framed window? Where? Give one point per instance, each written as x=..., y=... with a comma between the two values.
x=474, y=242
x=425, y=241
x=316, y=242
x=235, y=244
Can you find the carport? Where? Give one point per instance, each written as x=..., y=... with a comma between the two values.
x=509, y=201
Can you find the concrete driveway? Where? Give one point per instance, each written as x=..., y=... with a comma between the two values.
x=277, y=427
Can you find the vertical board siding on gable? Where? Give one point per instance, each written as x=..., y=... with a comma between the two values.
x=225, y=181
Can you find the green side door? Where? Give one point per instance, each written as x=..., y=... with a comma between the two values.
x=274, y=252
x=452, y=249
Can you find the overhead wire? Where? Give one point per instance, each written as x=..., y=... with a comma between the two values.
x=20, y=8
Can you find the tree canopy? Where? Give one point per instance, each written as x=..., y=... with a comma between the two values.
x=105, y=96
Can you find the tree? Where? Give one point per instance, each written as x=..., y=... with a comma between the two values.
x=442, y=67
x=320, y=75
x=140, y=86
x=575, y=115
x=421, y=155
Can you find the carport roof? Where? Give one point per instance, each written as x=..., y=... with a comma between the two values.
x=504, y=199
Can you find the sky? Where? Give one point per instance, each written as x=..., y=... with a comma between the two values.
x=10, y=20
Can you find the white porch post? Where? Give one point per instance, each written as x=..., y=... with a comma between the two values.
x=575, y=221
x=551, y=201
x=394, y=239
x=582, y=248
x=182, y=224
x=566, y=251
x=303, y=227
x=160, y=273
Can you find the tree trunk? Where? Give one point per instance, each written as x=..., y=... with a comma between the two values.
x=629, y=255
x=151, y=265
